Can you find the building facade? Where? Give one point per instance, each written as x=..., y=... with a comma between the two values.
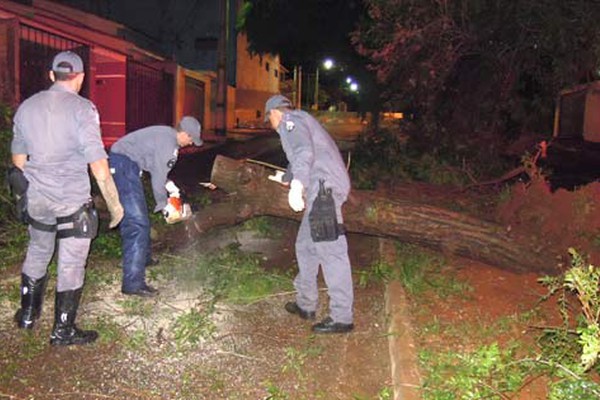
x=131, y=83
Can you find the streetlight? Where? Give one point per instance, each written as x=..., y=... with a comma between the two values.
x=328, y=63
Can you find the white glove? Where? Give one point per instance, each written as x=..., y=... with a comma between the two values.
x=278, y=177
x=172, y=189
x=295, y=198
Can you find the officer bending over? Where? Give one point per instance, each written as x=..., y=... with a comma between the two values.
x=153, y=149
x=56, y=136
x=319, y=179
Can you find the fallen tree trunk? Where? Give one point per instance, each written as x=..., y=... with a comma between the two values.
x=251, y=194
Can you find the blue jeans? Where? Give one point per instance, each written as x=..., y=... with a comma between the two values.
x=135, y=226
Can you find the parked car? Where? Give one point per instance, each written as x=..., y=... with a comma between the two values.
x=572, y=156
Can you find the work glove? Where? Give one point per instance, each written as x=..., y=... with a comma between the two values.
x=278, y=177
x=295, y=195
x=172, y=189
x=111, y=197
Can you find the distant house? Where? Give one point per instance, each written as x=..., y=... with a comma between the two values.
x=131, y=85
x=258, y=78
x=201, y=36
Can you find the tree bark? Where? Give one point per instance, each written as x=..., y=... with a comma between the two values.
x=251, y=194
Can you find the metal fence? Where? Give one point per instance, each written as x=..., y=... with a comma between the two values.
x=36, y=50
x=149, y=96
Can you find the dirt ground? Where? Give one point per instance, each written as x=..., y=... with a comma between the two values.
x=258, y=351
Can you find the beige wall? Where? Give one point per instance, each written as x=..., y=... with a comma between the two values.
x=254, y=84
x=206, y=77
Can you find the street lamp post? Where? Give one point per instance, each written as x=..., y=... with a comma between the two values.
x=327, y=64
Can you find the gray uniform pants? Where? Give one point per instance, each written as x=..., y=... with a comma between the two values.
x=72, y=252
x=333, y=258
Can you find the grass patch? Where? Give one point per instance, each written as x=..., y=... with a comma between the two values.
x=33, y=344
x=193, y=326
x=108, y=330
x=233, y=276
x=137, y=341
x=419, y=271
x=486, y=373
x=13, y=242
x=133, y=306
x=107, y=245
x=263, y=226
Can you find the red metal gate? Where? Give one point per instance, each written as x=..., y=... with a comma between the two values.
x=37, y=49
x=149, y=96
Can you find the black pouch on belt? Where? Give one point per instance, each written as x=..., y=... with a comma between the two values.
x=84, y=223
x=322, y=218
x=18, y=185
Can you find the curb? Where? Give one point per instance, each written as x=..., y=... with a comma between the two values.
x=406, y=378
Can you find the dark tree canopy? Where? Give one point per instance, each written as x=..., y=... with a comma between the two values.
x=301, y=31
x=480, y=67
x=305, y=32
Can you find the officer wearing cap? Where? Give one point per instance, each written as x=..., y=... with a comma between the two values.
x=153, y=149
x=319, y=176
x=56, y=135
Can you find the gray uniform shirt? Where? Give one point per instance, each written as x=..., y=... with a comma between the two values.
x=312, y=154
x=60, y=132
x=154, y=149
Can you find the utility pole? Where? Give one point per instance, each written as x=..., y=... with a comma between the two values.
x=299, y=104
x=317, y=90
x=221, y=95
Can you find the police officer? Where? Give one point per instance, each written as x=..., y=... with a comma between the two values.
x=317, y=169
x=56, y=136
x=153, y=149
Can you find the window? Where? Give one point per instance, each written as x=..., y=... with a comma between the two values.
x=267, y=66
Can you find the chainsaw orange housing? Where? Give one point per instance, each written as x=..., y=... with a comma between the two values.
x=175, y=202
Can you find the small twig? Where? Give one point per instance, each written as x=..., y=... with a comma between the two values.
x=560, y=366
x=79, y=394
x=231, y=353
x=8, y=396
x=264, y=164
x=277, y=295
x=494, y=391
x=553, y=328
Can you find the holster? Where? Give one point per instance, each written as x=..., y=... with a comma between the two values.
x=18, y=184
x=84, y=220
x=322, y=217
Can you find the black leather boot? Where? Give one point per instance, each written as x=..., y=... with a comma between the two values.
x=65, y=332
x=32, y=297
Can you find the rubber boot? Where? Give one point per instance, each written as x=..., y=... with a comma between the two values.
x=32, y=297
x=65, y=332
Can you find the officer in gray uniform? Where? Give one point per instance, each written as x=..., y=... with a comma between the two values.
x=153, y=149
x=56, y=136
x=319, y=176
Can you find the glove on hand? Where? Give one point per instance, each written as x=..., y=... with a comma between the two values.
x=278, y=177
x=111, y=196
x=172, y=189
x=295, y=195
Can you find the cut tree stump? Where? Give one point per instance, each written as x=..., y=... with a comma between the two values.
x=251, y=194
